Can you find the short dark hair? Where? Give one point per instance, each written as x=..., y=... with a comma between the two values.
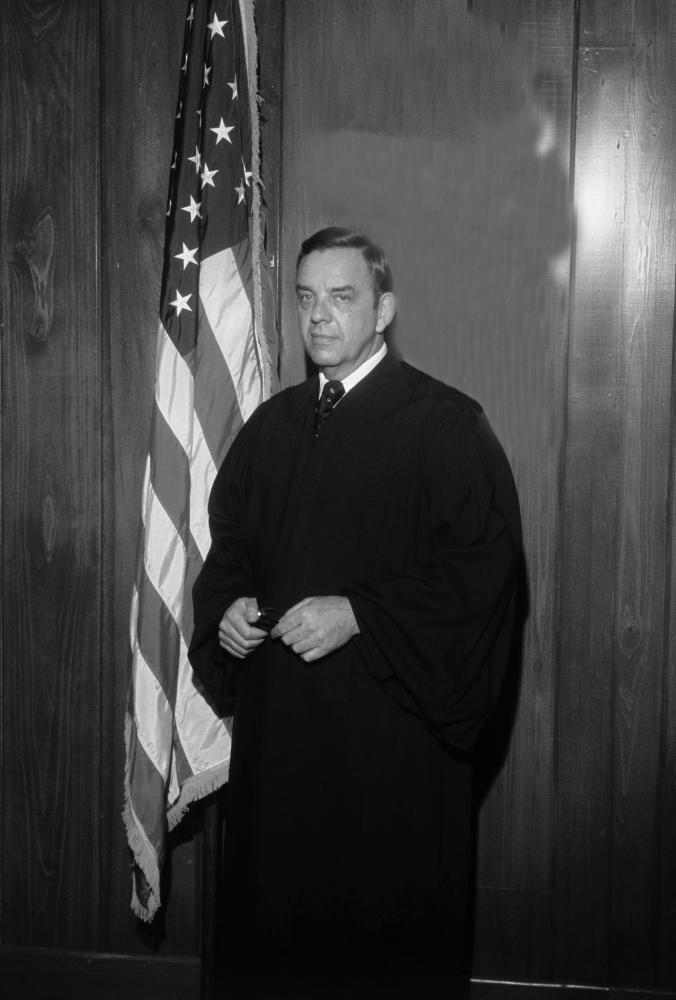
x=337, y=238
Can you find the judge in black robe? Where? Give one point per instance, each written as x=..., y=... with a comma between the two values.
x=347, y=846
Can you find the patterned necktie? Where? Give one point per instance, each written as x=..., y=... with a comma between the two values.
x=331, y=393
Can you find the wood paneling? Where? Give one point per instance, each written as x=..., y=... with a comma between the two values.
x=445, y=130
x=43, y=974
x=615, y=549
x=667, y=805
x=51, y=473
x=513, y=934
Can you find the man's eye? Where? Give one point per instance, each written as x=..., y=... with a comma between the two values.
x=342, y=297
x=304, y=300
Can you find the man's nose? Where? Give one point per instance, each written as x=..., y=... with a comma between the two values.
x=320, y=313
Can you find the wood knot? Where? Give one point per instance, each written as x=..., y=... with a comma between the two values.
x=48, y=519
x=41, y=16
x=37, y=248
x=630, y=635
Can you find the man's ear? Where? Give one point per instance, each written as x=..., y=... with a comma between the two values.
x=387, y=306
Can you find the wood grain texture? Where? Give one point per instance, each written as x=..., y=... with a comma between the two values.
x=610, y=24
x=667, y=820
x=141, y=52
x=516, y=846
x=612, y=652
x=51, y=473
x=649, y=261
x=593, y=451
x=43, y=974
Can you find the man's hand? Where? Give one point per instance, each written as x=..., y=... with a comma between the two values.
x=316, y=626
x=236, y=633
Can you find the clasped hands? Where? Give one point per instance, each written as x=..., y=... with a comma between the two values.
x=312, y=628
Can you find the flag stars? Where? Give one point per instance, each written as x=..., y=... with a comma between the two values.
x=181, y=302
x=196, y=159
x=180, y=109
x=187, y=256
x=233, y=88
x=240, y=191
x=193, y=208
x=208, y=176
x=184, y=67
x=191, y=16
x=222, y=131
x=216, y=27
x=207, y=70
x=247, y=175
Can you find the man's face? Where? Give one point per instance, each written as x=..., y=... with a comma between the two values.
x=339, y=323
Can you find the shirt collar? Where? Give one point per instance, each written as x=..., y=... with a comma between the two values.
x=358, y=374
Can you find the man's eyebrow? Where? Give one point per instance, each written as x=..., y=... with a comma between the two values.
x=334, y=288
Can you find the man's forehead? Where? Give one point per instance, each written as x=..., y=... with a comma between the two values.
x=335, y=266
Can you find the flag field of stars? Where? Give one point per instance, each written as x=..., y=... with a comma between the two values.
x=210, y=183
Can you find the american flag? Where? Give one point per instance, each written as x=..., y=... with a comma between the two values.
x=214, y=366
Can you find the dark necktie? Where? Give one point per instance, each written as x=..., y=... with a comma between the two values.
x=331, y=393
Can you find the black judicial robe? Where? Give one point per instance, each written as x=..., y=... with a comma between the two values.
x=347, y=846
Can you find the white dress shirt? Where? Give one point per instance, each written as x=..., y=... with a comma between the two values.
x=358, y=374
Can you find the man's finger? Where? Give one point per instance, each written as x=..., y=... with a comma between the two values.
x=294, y=633
x=230, y=647
x=300, y=604
x=304, y=645
x=290, y=618
x=312, y=654
x=230, y=639
x=285, y=625
x=243, y=633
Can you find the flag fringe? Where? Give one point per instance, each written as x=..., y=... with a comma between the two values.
x=196, y=788
x=143, y=852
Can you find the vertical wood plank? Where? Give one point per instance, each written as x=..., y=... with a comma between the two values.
x=49, y=163
x=612, y=663
x=513, y=935
x=585, y=686
x=667, y=822
x=649, y=262
x=620, y=24
x=142, y=53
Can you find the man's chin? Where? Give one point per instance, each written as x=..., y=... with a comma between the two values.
x=323, y=357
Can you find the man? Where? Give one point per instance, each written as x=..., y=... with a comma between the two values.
x=373, y=508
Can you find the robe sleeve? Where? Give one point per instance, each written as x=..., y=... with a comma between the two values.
x=225, y=576
x=438, y=633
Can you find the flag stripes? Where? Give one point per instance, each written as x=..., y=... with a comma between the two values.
x=209, y=378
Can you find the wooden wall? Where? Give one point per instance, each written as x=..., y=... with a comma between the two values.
x=456, y=132
x=518, y=162
x=88, y=99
